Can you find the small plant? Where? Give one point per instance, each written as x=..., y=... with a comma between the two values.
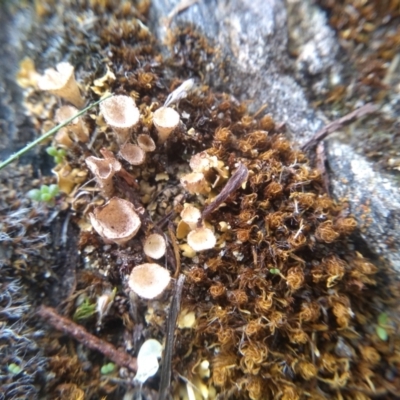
x=14, y=369
x=45, y=194
x=107, y=368
x=85, y=310
x=381, y=331
x=275, y=271
x=57, y=154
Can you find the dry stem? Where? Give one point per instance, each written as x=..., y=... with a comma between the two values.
x=83, y=336
x=339, y=123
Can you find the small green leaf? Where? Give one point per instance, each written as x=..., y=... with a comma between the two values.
x=52, y=151
x=107, y=368
x=34, y=194
x=58, y=159
x=54, y=190
x=14, y=368
x=383, y=319
x=382, y=333
x=61, y=153
x=46, y=197
x=85, y=310
x=275, y=271
x=44, y=189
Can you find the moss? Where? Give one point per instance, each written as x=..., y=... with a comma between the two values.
x=283, y=302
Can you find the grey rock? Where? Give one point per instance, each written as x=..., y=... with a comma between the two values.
x=252, y=38
x=373, y=198
x=15, y=127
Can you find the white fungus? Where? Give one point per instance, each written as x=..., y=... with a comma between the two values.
x=149, y=280
x=116, y=221
x=155, y=246
x=61, y=82
x=165, y=120
x=201, y=239
x=133, y=154
x=147, y=360
x=121, y=115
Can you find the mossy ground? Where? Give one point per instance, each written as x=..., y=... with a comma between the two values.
x=285, y=306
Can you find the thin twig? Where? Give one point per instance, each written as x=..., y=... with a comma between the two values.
x=163, y=221
x=339, y=123
x=176, y=250
x=234, y=183
x=87, y=339
x=165, y=378
x=183, y=5
x=48, y=134
x=321, y=166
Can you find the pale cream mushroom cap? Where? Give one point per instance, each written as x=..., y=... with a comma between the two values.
x=77, y=126
x=103, y=170
x=146, y=143
x=165, y=120
x=121, y=115
x=201, y=239
x=147, y=360
x=195, y=183
x=155, y=246
x=116, y=221
x=133, y=154
x=191, y=215
x=61, y=82
x=149, y=280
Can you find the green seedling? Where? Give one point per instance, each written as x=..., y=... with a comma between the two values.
x=45, y=194
x=275, y=271
x=85, y=310
x=48, y=134
x=380, y=329
x=107, y=368
x=57, y=154
x=14, y=369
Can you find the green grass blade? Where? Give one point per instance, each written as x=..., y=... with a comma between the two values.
x=48, y=134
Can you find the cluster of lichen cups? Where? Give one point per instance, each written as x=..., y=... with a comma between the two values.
x=117, y=221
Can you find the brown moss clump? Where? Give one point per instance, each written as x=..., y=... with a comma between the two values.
x=286, y=287
x=371, y=35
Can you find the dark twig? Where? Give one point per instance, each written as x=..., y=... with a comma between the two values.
x=176, y=249
x=234, y=183
x=321, y=165
x=183, y=5
x=87, y=339
x=339, y=123
x=165, y=220
x=165, y=378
